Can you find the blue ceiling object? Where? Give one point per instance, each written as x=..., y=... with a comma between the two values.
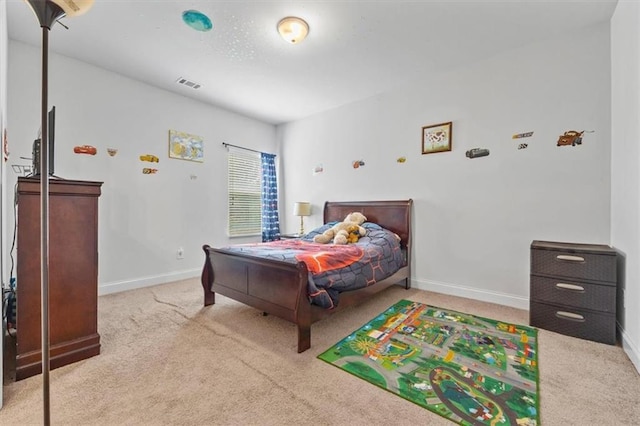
x=197, y=20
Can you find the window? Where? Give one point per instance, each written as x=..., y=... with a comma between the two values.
x=245, y=190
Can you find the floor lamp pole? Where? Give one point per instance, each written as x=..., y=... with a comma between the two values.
x=44, y=235
x=47, y=13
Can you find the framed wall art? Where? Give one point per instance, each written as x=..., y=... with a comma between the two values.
x=185, y=146
x=436, y=138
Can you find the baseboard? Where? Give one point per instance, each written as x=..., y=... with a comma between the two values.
x=118, y=286
x=472, y=293
x=630, y=349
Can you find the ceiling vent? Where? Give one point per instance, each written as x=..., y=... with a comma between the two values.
x=188, y=83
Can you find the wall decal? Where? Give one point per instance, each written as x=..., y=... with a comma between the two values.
x=5, y=145
x=148, y=171
x=184, y=146
x=356, y=164
x=85, y=149
x=401, y=159
x=112, y=152
x=197, y=20
x=523, y=146
x=522, y=135
x=436, y=138
x=477, y=152
x=570, y=137
x=150, y=158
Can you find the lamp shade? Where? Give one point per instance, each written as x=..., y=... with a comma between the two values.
x=74, y=7
x=49, y=11
x=302, y=208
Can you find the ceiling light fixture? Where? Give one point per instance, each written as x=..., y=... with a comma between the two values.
x=293, y=29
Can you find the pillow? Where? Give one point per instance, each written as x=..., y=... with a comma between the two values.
x=370, y=226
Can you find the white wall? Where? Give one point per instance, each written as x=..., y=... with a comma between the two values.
x=474, y=219
x=625, y=178
x=143, y=219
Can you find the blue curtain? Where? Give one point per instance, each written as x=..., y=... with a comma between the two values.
x=270, y=221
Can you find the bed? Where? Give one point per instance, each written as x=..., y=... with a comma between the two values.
x=281, y=288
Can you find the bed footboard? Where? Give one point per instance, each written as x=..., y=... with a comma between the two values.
x=207, y=279
x=274, y=287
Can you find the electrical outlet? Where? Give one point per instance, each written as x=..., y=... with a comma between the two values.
x=180, y=253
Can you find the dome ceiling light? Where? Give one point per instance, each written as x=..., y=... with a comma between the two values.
x=293, y=29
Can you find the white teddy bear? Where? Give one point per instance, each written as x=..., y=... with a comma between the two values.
x=340, y=231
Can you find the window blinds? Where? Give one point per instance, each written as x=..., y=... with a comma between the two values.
x=245, y=172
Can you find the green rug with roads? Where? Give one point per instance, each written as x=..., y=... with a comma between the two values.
x=468, y=369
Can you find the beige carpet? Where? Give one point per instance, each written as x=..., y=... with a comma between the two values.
x=167, y=360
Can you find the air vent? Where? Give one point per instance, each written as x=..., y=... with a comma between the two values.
x=188, y=83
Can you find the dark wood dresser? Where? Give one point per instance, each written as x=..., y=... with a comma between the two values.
x=573, y=289
x=73, y=274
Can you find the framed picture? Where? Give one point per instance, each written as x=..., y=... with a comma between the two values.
x=436, y=138
x=185, y=146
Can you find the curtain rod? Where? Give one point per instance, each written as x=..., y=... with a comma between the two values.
x=246, y=149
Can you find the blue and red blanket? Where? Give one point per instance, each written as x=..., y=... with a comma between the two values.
x=336, y=268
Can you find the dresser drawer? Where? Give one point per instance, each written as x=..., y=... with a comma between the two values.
x=599, y=327
x=573, y=264
x=574, y=293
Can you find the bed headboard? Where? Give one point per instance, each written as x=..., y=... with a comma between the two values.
x=394, y=215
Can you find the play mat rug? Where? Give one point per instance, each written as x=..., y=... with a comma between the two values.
x=468, y=369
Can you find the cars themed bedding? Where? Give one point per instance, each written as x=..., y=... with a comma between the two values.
x=335, y=268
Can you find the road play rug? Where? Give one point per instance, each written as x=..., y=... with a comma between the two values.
x=469, y=369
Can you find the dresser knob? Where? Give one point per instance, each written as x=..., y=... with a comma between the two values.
x=570, y=316
x=570, y=287
x=570, y=258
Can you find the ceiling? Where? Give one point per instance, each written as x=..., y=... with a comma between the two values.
x=354, y=50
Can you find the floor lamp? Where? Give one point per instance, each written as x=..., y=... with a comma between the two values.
x=48, y=12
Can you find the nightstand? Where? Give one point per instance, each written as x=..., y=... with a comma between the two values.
x=573, y=289
x=289, y=236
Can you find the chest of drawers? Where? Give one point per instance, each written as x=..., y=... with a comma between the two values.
x=573, y=289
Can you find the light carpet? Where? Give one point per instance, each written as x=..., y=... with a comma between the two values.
x=166, y=359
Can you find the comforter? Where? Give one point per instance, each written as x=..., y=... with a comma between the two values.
x=335, y=268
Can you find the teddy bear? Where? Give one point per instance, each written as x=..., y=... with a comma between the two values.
x=347, y=236
x=354, y=234
x=340, y=232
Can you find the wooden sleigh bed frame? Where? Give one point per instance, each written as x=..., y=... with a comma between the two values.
x=280, y=288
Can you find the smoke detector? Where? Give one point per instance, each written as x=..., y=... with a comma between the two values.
x=188, y=83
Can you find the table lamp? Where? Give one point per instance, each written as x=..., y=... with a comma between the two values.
x=302, y=209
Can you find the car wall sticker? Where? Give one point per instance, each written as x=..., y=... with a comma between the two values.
x=150, y=158
x=570, y=137
x=85, y=149
x=522, y=135
x=477, y=152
